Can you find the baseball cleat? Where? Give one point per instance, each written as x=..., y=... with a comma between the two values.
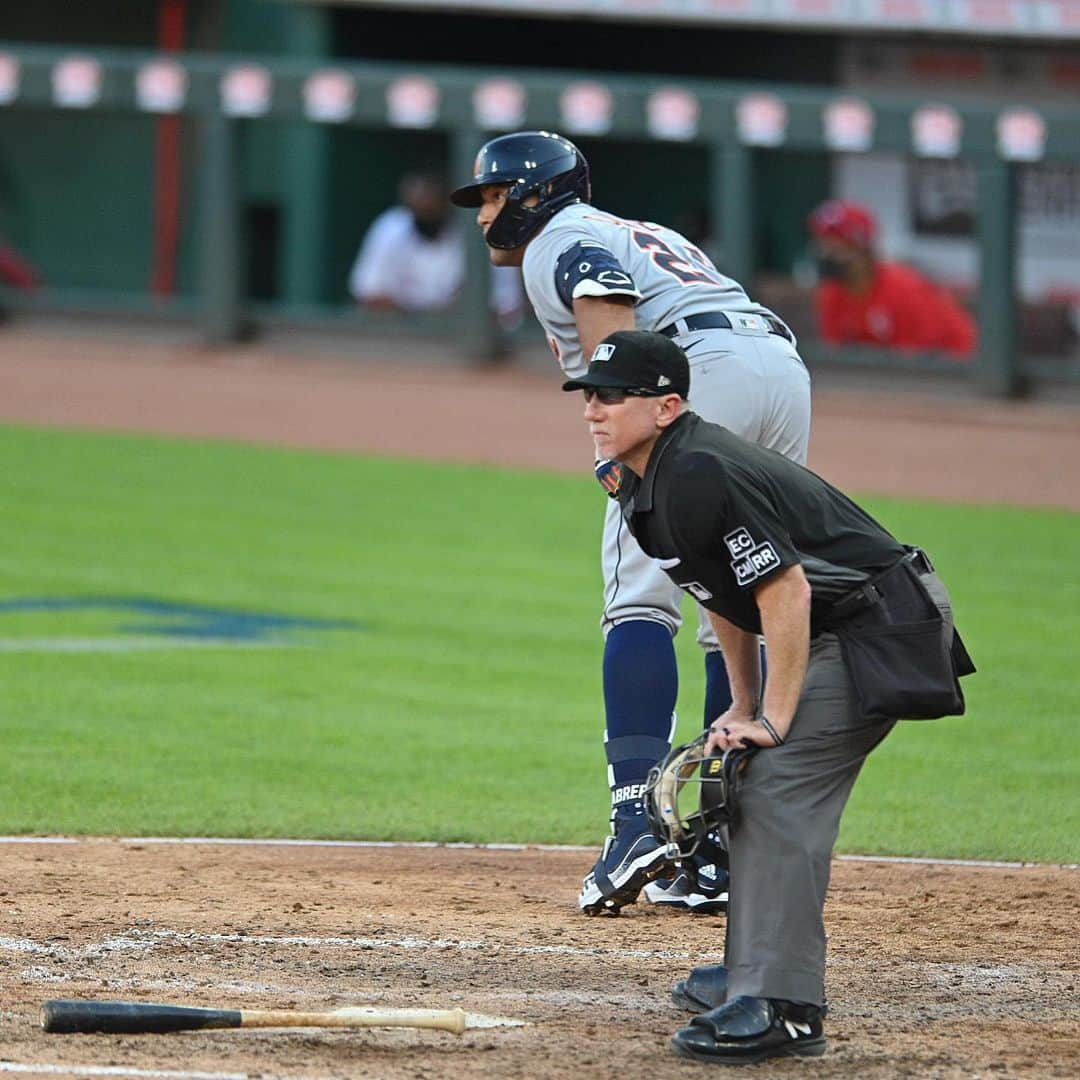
x=750, y=1029
x=631, y=858
x=679, y=894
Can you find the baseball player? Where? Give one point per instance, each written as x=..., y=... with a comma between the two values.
x=587, y=274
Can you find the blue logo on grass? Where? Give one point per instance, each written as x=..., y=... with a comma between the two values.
x=147, y=622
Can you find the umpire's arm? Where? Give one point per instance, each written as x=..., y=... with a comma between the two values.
x=783, y=600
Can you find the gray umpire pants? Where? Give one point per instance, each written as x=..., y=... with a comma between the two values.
x=791, y=799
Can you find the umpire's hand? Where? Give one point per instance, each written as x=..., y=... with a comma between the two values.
x=731, y=730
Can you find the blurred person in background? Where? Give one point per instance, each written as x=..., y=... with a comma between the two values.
x=863, y=299
x=413, y=257
x=16, y=272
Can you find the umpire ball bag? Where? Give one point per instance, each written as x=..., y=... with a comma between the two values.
x=904, y=662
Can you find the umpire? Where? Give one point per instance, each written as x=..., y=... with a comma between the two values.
x=859, y=633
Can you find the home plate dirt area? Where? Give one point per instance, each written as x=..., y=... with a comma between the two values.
x=934, y=970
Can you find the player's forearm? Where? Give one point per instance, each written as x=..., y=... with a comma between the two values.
x=742, y=658
x=596, y=317
x=784, y=604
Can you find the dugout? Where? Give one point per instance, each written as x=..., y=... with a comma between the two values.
x=265, y=204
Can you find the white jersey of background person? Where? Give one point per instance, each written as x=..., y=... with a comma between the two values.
x=397, y=263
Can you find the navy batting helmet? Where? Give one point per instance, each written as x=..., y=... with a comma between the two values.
x=533, y=163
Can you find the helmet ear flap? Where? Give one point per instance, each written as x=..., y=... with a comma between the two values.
x=517, y=223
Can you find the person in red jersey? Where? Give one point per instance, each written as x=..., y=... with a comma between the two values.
x=866, y=300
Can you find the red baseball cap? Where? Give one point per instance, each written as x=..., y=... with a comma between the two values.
x=849, y=221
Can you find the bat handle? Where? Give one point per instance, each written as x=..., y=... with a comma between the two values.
x=452, y=1020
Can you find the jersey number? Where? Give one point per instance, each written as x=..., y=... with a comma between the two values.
x=691, y=266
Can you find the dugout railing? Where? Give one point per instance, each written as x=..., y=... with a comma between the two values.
x=224, y=94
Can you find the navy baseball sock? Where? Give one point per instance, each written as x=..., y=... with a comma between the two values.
x=641, y=684
x=717, y=686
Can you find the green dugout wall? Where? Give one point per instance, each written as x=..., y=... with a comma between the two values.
x=311, y=143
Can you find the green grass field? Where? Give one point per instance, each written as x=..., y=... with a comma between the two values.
x=465, y=704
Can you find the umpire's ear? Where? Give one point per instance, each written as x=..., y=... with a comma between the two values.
x=669, y=408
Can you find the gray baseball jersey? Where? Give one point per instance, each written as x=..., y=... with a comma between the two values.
x=584, y=251
x=748, y=379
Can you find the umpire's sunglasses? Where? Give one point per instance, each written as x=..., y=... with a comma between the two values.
x=614, y=395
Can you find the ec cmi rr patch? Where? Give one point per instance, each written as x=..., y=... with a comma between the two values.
x=133, y=623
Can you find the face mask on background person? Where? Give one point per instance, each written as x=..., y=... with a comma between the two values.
x=429, y=226
x=832, y=267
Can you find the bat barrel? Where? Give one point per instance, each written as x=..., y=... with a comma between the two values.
x=67, y=1017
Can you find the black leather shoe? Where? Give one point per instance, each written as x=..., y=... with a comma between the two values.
x=703, y=989
x=749, y=1029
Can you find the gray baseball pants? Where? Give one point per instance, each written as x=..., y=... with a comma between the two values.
x=791, y=800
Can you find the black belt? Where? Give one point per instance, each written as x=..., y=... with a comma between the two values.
x=717, y=320
x=867, y=595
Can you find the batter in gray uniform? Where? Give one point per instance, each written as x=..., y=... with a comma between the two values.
x=588, y=273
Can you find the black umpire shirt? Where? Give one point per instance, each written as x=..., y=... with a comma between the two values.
x=722, y=514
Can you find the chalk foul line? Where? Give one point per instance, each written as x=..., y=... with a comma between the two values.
x=117, y=1070
x=243, y=841
x=145, y=940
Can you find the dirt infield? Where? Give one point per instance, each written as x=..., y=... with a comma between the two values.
x=934, y=971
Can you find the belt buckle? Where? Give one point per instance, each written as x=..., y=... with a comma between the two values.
x=920, y=561
x=748, y=324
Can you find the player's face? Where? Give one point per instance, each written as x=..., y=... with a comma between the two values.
x=624, y=428
x=494, y=199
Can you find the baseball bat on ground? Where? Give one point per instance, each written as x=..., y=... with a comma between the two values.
x=136, y=1017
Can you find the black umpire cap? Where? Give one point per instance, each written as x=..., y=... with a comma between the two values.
x=642, y=362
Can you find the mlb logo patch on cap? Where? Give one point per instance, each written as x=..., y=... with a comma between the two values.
x=641, y=362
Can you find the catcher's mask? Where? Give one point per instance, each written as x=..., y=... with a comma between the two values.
x=689, y=794
x=536, y=163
